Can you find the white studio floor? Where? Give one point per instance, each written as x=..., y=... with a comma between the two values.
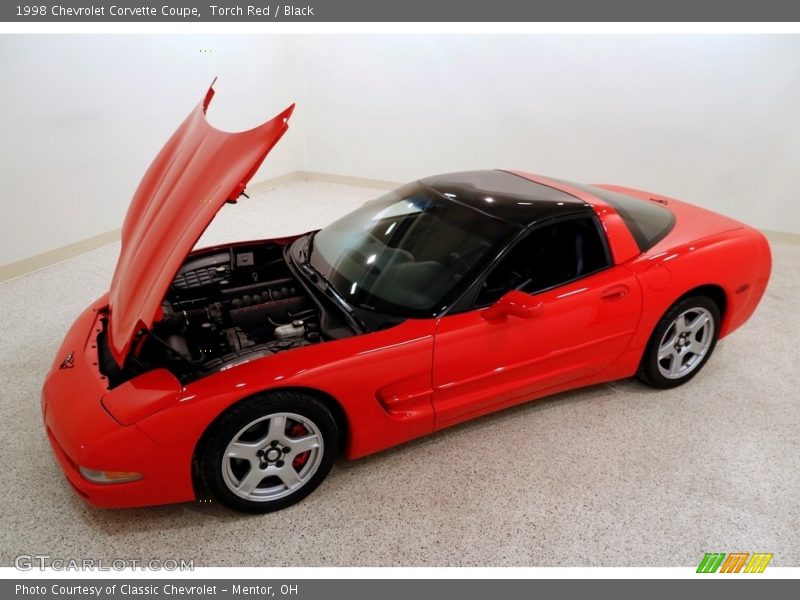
x=614, y=475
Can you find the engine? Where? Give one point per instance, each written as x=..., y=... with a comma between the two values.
x=230, y=306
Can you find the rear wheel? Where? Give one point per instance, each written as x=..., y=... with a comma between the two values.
x=269, y=451
x=682, y=343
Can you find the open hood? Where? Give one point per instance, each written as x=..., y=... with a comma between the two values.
x=199, y=169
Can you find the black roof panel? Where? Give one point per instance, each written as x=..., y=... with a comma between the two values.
x=505, y=196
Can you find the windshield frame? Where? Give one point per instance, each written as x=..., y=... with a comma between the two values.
x=505, y=232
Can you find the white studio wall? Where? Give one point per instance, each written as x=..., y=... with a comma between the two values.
x=83, y=116
x=710, y=119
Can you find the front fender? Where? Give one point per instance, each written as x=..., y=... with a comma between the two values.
x=381, y=380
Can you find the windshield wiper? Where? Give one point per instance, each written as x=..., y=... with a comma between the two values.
x=308, y=247
x=325, y=285
x=333, y=293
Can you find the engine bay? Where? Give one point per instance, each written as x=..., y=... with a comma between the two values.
x=232, y=305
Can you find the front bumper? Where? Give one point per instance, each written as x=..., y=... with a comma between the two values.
x=81, y=432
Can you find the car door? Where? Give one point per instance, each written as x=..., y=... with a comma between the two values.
x=583, y=312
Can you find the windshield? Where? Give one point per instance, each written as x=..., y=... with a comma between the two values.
x=407, y=252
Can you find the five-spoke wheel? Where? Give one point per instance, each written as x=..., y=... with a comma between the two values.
x=681, y=343
x=685, y=343
x=272, y=456
x=268, y=451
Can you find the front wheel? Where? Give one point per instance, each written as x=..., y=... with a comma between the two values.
x=269, y=451
x=682, y=343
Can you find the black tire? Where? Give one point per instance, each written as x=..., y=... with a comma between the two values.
x=651, y=370
x=260, y=411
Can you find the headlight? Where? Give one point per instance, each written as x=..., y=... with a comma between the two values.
x=109, y=476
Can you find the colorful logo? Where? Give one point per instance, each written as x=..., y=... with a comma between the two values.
x=734, y=562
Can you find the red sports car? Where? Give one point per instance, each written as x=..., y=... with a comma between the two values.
x=243, y=370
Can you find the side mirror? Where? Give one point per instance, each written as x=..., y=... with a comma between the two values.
x=516, y=304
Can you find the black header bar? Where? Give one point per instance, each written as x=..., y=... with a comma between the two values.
x=332, y=11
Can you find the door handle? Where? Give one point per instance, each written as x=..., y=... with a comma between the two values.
x=615, y=292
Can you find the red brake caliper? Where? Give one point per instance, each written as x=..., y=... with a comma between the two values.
x=296, y=431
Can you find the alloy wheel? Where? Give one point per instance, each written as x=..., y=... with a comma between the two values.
x=685, y=343
x=272, y=457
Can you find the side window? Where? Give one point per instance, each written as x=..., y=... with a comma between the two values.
x=549, y=256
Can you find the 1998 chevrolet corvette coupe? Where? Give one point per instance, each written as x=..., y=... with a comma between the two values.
x=243, y=370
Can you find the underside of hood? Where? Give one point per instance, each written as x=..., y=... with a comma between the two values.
x=199, y=169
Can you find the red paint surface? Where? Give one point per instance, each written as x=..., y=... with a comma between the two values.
x=198, y=170
x=392, y=385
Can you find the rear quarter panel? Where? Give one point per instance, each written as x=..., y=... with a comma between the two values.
x=703, y=249
x=736, y=261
